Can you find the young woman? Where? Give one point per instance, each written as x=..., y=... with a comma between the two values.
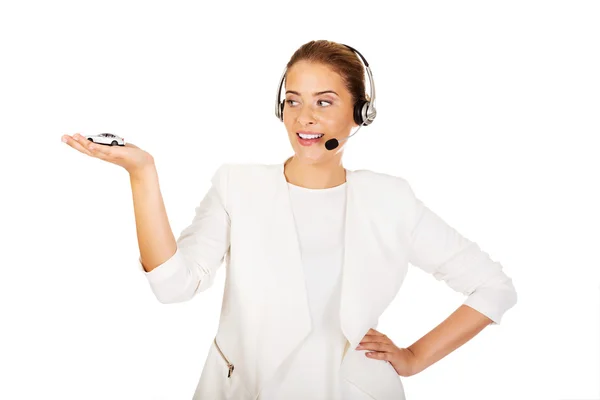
x=314, y=252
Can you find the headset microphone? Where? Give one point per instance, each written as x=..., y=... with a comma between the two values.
x=334, y=143
x=331, y=144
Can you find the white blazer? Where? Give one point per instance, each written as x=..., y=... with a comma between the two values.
x=245, y=221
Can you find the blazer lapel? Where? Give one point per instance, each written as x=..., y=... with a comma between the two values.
x=371, y=276
x=363, y=294
x=287, y=320
x=359, y=270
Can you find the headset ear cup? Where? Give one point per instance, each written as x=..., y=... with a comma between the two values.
x=281, y=106
x=358, y=111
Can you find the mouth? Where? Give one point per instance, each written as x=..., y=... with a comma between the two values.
x=308, y=139
x=309, y=135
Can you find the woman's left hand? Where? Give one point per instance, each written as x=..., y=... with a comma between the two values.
x=402, y=359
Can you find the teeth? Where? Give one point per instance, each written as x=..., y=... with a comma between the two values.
x=305, y=136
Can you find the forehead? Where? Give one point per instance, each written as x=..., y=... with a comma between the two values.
x=313, y=77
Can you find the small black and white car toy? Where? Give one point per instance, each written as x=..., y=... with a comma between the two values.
x=106, y=138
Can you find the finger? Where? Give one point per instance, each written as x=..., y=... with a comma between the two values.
x=374, y=332
x=375, y=335
x=74, y=143
x=375, y=346
x=82, y=140
x=379, y=355
x=375, y=339
x=104, y=152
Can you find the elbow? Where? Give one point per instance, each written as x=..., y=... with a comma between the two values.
x=178, y=290
x=494, y=300
x=506, y=298
x=506, y=294
x=511, y=296
x=170, y=298
x=177, y=280
x=177, y=293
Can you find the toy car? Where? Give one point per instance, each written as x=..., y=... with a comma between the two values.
x=106, y=138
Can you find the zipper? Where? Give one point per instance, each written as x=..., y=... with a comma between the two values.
x=230, y=365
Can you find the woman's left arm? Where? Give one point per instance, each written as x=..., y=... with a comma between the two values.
x=453, y=332
x=442, y=251
x=460, y=327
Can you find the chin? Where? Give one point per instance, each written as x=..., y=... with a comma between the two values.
x=311, y=157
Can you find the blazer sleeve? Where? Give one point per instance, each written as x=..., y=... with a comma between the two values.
x=440, y=250
x=201, y=248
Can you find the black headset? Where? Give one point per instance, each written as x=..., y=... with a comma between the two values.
x=364, y=110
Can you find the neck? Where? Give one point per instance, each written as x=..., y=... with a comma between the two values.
x=314, y=176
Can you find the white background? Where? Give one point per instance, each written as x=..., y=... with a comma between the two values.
x=491, y=111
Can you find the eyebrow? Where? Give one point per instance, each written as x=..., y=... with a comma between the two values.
x=314, y=94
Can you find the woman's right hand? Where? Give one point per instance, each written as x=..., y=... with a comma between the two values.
x=130, y=157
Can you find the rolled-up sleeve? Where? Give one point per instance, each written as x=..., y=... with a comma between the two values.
x=201, y=248
x=440, y=250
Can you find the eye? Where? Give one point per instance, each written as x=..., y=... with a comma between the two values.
x=324, y=101
x=289, y=102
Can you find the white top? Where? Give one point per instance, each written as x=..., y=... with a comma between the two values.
x=319, y=217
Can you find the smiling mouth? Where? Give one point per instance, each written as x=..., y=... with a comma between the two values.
x=306, y=136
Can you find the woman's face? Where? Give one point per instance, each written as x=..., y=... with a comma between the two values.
x=316, y=101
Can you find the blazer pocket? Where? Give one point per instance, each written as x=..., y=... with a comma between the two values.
x=230, y=366
x=219, y=379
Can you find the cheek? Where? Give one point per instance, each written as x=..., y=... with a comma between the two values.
x=290, y=131
x=289, y=126
x=336, y=124
x=333, y=123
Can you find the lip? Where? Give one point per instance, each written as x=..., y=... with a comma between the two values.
x=308, y=142
x=310, y=133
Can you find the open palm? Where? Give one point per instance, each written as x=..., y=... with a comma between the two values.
x=130, y=157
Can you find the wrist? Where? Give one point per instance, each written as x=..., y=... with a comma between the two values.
x=143, y=172
x=416, y=365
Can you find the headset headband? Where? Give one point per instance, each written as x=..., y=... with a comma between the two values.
x=364, y=111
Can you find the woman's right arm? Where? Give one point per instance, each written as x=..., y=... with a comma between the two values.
x=155, y=238
x=176, y=270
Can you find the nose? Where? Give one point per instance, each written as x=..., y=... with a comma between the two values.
x=306, y=116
